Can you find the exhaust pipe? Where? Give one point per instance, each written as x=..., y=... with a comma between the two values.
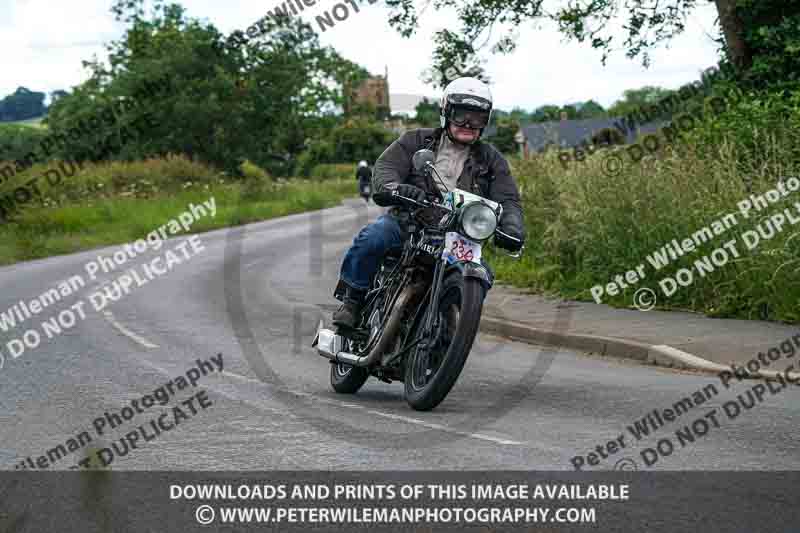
x=329, y=344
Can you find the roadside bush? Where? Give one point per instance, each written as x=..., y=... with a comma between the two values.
x=257, y=181
x=89, y=182
x=17, y=141
x=761, y=130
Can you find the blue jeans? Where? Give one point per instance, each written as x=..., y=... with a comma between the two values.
x=364, y=257
x=362, y=260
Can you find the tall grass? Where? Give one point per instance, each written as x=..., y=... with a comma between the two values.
x=585, y=227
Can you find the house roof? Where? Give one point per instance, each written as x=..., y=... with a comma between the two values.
x=570, y=133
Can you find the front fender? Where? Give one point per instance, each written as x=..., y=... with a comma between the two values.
x=473, y=270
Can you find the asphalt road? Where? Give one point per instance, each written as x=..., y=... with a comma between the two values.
x=255, y=295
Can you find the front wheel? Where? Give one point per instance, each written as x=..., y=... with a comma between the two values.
x=429, y=378
x=346, y=379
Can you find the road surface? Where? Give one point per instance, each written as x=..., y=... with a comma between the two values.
x=255, y=294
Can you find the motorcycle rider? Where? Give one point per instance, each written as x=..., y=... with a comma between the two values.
x=463, y=161
x=364, y=177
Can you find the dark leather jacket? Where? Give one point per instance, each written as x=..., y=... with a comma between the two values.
x=485, y=173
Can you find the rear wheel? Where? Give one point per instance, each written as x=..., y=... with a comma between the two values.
x=346, y=379
x=429, y=377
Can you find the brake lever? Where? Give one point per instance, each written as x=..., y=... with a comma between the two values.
x=410, y=200
x=422, y=204
x=515, y=255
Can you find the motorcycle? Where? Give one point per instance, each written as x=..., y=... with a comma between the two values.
x=366, y=191
x=422, y=311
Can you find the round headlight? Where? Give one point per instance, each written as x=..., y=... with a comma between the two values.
x=478, y=221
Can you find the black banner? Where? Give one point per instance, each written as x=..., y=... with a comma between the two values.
x=104, y=501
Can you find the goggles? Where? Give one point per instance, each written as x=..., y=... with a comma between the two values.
x=469, y=118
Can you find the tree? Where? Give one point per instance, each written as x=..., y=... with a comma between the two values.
x=452, y=59
x=229, y=99
x=56, y=95
x=546, y=113
x=571, y=111
x=592, y=109
x=22, y=104
x=753, y=30
x=636, y=99
x=520, y=115
x=354, y=139
x=427, y=114
x=772, y=38
x=503, y=140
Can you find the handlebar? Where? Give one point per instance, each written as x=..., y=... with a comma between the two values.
x=422, y=204
x=426, y=203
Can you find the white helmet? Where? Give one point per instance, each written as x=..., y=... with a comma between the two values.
x=363, y=164
x=466, y=101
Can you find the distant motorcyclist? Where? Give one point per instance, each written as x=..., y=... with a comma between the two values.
x=364, y=177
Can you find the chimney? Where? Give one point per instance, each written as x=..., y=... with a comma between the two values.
x=563, y=116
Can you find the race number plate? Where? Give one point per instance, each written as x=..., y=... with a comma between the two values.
x=459, y=248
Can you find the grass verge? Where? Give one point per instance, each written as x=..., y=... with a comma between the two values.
x=40, y=232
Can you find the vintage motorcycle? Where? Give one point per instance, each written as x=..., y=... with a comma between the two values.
x=423, y=308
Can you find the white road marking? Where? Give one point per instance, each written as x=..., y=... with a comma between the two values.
x=408, y=420
x=255, y=263
x=245, y=378
x=128, y=333
x=479, y=436
x=337, y=403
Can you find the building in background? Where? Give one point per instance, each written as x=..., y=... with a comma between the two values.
x=373, y=94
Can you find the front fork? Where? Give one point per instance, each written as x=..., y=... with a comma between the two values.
x=431, y=321
x=468, y=270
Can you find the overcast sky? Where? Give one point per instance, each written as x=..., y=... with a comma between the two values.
x=43, y=43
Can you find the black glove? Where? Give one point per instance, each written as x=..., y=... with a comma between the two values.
x=511, y=224
x=411, y=191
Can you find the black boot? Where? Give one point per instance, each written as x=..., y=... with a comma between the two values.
x=349, y=313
